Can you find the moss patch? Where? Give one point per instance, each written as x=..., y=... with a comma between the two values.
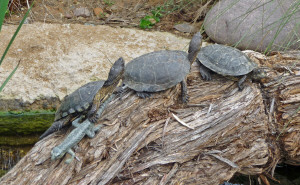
x=19, y=140
x=25, y=123
x=2, y=172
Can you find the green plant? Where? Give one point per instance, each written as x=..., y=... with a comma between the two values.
x=102, y=15
x=108, y=2
x=150, y=20
x=168, y=7
x=3, y=11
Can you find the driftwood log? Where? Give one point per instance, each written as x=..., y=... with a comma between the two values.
x=227, y=131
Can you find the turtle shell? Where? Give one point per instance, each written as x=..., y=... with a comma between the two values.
x=225, y=60
x=78, y=101
x=156, y=71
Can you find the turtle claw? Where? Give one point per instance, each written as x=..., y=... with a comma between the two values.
x=93, y=119
x=185, y=99
x=143, y=94
x=206, y=77
x=241, y=87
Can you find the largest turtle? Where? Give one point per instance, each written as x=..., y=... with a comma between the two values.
x=86, y=99
x=228, y=61
x=160, y=70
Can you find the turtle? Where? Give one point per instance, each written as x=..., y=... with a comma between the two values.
x=161, y=70
x=87, y=99
x=227, y=61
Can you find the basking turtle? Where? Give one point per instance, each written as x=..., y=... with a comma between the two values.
x=86, y=99
x=160, y=70
x=227, y=61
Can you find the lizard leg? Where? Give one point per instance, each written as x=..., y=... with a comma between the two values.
x=97, y=128
x=70, y=151
x=90, y=133
x=75, y=123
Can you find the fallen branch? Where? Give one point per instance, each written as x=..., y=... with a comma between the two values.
x=142, y=143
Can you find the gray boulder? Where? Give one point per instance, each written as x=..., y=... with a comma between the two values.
x=272, y=25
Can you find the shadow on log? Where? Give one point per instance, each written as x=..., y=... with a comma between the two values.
x=229, y=131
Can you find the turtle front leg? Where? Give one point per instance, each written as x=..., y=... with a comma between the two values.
x=96, y=116
x=92, y=115
x=204, y=71
x=240, y=82
x=184, y=95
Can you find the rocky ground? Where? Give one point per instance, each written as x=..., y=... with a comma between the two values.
x=122, y=13
x=69, y=43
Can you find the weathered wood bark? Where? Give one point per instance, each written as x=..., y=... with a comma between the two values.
x=231, y=131
x=283, y=97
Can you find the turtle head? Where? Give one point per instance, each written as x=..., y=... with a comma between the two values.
x=116, y=72
x=258, y=74
x=56, y=153
x=194, y=47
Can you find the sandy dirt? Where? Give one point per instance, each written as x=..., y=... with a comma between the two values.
x=56, y=59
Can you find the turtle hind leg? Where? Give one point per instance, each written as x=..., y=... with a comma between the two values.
x=143, y=94
x=184, y=95
x=240, y=82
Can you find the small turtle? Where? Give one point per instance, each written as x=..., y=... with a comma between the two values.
x=87, y=99
x=160, y=70
x=227, y=61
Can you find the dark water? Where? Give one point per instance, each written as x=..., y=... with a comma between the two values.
x=18, y=134
x=284, y=174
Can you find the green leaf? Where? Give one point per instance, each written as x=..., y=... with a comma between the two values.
x=3, y=9
x=156, y=19
x=145, y=22
x=9, y=77
x=15, y=34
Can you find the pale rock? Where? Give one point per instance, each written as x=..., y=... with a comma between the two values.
x=185, y=28
x=57, y=59
x=255, y=25
x=82, y=12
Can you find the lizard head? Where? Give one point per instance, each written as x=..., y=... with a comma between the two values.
x=56, y=153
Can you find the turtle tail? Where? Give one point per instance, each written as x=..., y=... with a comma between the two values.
x=57, y=125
